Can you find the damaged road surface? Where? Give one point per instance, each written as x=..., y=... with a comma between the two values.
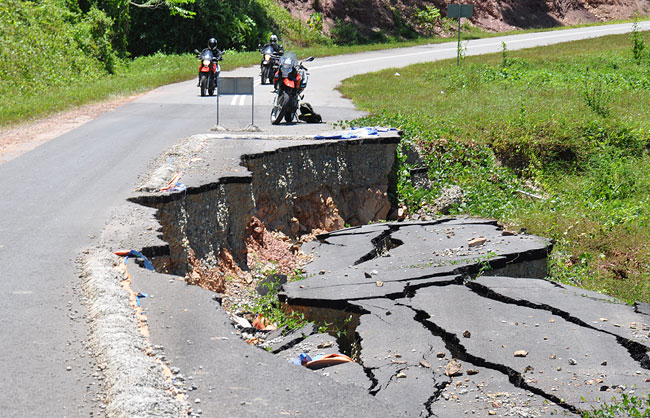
x=434, y=340
x=442, y=318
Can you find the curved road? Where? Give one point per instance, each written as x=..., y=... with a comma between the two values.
x=55, y=198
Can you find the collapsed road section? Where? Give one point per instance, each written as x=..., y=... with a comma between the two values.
x=443, y=318
x=459, y=319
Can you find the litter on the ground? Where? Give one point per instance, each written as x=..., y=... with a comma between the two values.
x=354, y=133
x=327, y=360
x=263, y=324
x=321, y=361
x=302, y=359
x=137, y=254
x=139, y=296
x=174, y=185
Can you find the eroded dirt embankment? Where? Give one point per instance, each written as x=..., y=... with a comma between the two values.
x=293, y=188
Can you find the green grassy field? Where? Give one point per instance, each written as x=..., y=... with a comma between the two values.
x=569, y=125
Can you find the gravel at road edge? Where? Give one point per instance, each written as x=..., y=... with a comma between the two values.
x=135, y=386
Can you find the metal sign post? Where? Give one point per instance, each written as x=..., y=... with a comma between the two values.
x=238, y=86
x=458, y=11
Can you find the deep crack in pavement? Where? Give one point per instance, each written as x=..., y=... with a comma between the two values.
x=528, y=346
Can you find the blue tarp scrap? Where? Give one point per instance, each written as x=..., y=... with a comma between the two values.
x=137, y=254
x=362, y=132
x=139, y=296
x=177, y=187
x=301, y=359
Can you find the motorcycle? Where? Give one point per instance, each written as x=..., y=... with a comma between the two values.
x=270, y=63
x=209, y=70
x=290, y=80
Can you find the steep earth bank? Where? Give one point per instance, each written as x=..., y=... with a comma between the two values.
x=492, y=15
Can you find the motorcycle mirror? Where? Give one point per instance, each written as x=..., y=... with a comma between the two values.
x=196, y=51
x=310, y=59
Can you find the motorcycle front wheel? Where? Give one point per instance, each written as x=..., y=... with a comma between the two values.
x=212, y=86
x=203, y=83
x=280, y=108
x=264, y=75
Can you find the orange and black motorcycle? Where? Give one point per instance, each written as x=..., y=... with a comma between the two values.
x=209, y=70
x=290, y=80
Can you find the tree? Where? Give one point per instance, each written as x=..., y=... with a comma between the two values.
x=119, y=12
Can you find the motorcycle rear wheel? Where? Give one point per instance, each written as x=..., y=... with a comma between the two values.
x=203, y=82
x=280, y=108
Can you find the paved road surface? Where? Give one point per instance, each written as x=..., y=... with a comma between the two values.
x=56, y=197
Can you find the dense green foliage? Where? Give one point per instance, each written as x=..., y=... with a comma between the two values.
x=44, y=44
x=568, y=125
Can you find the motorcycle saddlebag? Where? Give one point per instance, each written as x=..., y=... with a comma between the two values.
x=308, y=115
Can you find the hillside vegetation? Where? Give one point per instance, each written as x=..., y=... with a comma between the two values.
x=55, y=54
x=554, y=140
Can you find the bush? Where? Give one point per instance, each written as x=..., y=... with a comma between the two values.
x=346, y=33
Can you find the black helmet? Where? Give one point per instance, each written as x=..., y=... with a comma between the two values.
x=212, y=43
x=274, y=39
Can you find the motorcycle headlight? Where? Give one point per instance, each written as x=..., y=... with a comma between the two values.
x=206, y=62
x=267, y=57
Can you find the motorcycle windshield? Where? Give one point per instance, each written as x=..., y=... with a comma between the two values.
x=268, y=50
x=207, y=55
x=288, y=62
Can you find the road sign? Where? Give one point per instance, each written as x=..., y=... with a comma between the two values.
x=236, y=85
x=239, y=86
x=457, y=11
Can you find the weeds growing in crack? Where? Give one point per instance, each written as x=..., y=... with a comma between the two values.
x=273, y=310
x=628, y=406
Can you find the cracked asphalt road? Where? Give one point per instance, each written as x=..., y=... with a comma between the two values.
x=525, y=346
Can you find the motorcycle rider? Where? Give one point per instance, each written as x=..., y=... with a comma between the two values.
x=287, y=70
x=218, y=54
x=212, y=45
x=273, y=43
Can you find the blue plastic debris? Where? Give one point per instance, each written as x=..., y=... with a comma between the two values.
x=363, y=132
x=178, y=187
x=302, y=359
x=137, y=254
x=139, y=296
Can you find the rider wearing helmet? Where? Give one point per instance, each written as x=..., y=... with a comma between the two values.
x=218, y=54
x=212, y=45
x=273, y=43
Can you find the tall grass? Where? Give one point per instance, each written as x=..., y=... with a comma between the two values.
x=568, y=124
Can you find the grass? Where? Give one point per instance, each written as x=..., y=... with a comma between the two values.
x=568, y=124
x=146, y=73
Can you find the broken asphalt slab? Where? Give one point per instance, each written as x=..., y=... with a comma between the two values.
x=534, y=348
x=385, y=259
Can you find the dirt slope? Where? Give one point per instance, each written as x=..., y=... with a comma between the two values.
x=494, y=15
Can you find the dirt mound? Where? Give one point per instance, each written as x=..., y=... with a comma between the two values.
x=395, y=16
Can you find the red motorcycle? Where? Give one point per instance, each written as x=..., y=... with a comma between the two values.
x=290, y=81
x=209, y=70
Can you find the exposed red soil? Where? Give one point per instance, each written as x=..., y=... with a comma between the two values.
x=492, y=15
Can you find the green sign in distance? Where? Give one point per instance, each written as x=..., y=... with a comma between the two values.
x=457, y=11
